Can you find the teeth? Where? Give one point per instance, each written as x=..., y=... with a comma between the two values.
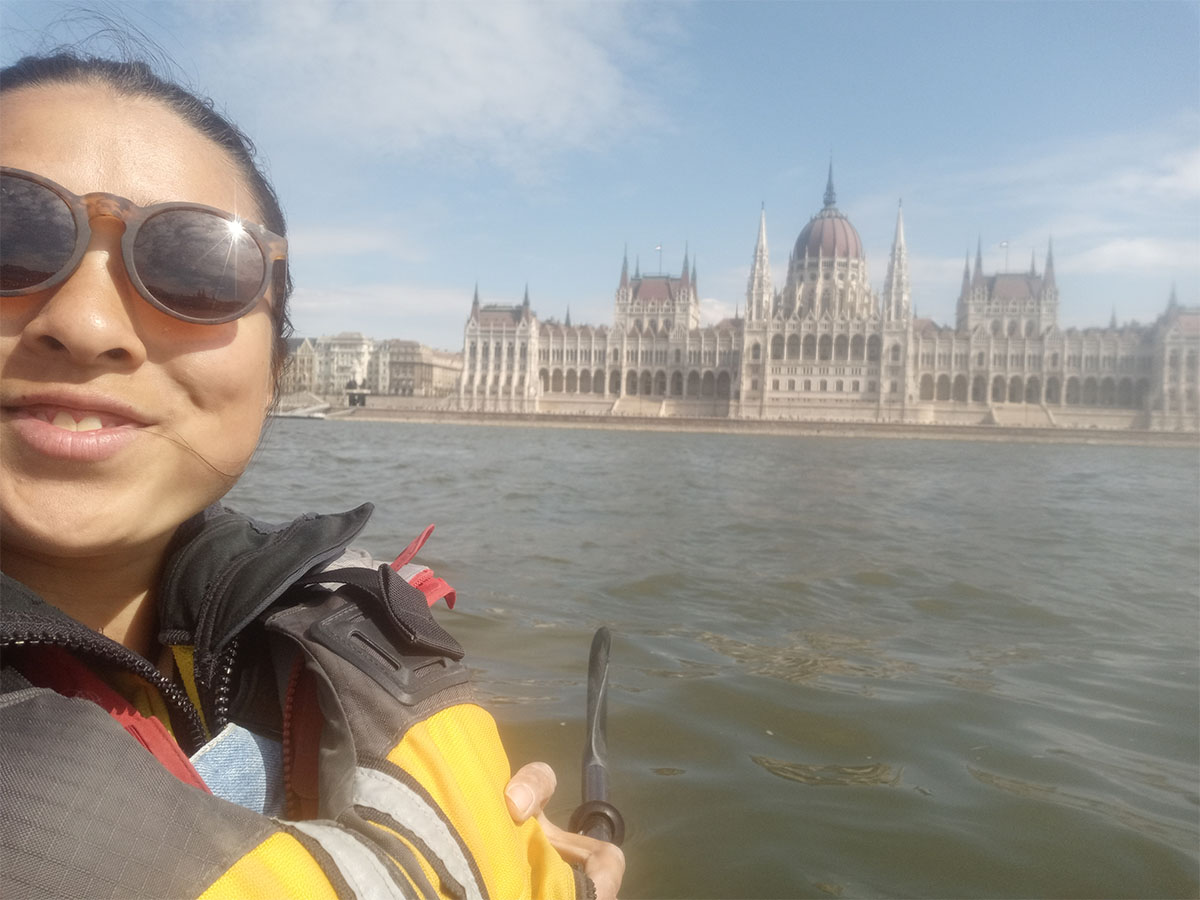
x=66, y=421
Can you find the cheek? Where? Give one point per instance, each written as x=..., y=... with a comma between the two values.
x=230, y=390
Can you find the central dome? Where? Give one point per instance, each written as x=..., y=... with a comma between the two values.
x=829, y=233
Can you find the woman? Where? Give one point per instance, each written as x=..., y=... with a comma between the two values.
x=163, y=656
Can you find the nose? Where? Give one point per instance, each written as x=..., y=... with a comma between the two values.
x=90, y=319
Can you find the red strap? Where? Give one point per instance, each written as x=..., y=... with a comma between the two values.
x=433, y=588
x=410, y=551
x=58, y=670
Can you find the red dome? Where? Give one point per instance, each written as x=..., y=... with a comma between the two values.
x=829, y=233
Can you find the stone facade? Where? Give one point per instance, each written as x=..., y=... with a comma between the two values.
x=828, y=347
x=327, y=365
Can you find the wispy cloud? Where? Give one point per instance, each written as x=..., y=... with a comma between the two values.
x=429, y=313
x=511, y=83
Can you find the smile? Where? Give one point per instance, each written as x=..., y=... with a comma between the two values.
x=76, y=420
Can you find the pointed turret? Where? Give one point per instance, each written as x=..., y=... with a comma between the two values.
x=637, y=267
x=685, y=278
x=977, y=276
x=625, y=268
x=1112, y=323
x=758, y=289
x=695, y=283
x=966, y=285
x=830, y=195
x=525, y=302
x=1048, y=275
x=568, y=322
x=1173, y=300
x=897, y=293
x=475, y=303
x=1033, y=262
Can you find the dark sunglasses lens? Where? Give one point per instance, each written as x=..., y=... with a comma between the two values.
x=197, y=264
x=37, y=233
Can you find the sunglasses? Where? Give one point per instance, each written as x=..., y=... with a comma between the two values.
x=191, y=261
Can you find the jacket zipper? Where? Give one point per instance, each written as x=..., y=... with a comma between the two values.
x=172, y=693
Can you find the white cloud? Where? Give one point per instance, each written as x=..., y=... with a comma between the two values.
x=1124, y=254
x=314, y=242
x=430, y=314
x=511, y=83
x=713, y=310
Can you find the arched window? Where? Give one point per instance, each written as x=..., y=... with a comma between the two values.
x=723, y=386
x=660, y=382
x=631, y=383
x=979, y=389
x=777, y=347
x=998, y=389
x=895, y=353
x=572, y=381
x=926, y=387
x=841, y=347
x=693, y=383
x=793, y=346
x=874, y=348
x=708, y=385
x=1030, y=328
x=943, y=387
x=1052, y=394
x=755, y=352
x=1033, y=390
x=614, y=384
x=1016, y=392
x=810, y=346
x=825, y=347
x=857, y=347
x=677, y=384
x=585, y=382
x=647, y=383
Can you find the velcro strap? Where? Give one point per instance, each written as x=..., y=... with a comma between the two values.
x=406, y=607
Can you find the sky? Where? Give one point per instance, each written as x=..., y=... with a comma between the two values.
x=424, y=149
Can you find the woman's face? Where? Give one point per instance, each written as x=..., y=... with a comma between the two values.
x=117, y=421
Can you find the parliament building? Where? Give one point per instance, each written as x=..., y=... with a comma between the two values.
x=829, y=347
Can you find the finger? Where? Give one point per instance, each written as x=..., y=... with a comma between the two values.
x=529, y=790
x=603, y=862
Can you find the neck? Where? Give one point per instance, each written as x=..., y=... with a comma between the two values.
x=111, y=594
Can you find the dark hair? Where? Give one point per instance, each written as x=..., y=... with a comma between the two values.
x=136, y=78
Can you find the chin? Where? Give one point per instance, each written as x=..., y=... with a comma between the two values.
x=72, y=520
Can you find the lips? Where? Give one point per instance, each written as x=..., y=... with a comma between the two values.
x=76, y=429
x=75, y=419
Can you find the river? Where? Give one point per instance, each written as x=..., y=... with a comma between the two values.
x=869, y=668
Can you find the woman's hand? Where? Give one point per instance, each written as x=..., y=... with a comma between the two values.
x=527, y=793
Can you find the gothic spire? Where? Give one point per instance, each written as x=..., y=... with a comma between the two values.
x=966, y=285
x=568, y=322
x=686, y=275
x=897, y=292
x=525, y=302
x=1032, y=262
x=1048, y=275
x=475, y=302
x=977, y=276
x=830, y=196
x=759, y=291
x=625, y=268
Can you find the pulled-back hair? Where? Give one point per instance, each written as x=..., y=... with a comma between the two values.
x=136, y=78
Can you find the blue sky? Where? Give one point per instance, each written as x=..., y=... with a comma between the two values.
x=423, y=148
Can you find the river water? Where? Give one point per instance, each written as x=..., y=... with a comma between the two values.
x=840, y=667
